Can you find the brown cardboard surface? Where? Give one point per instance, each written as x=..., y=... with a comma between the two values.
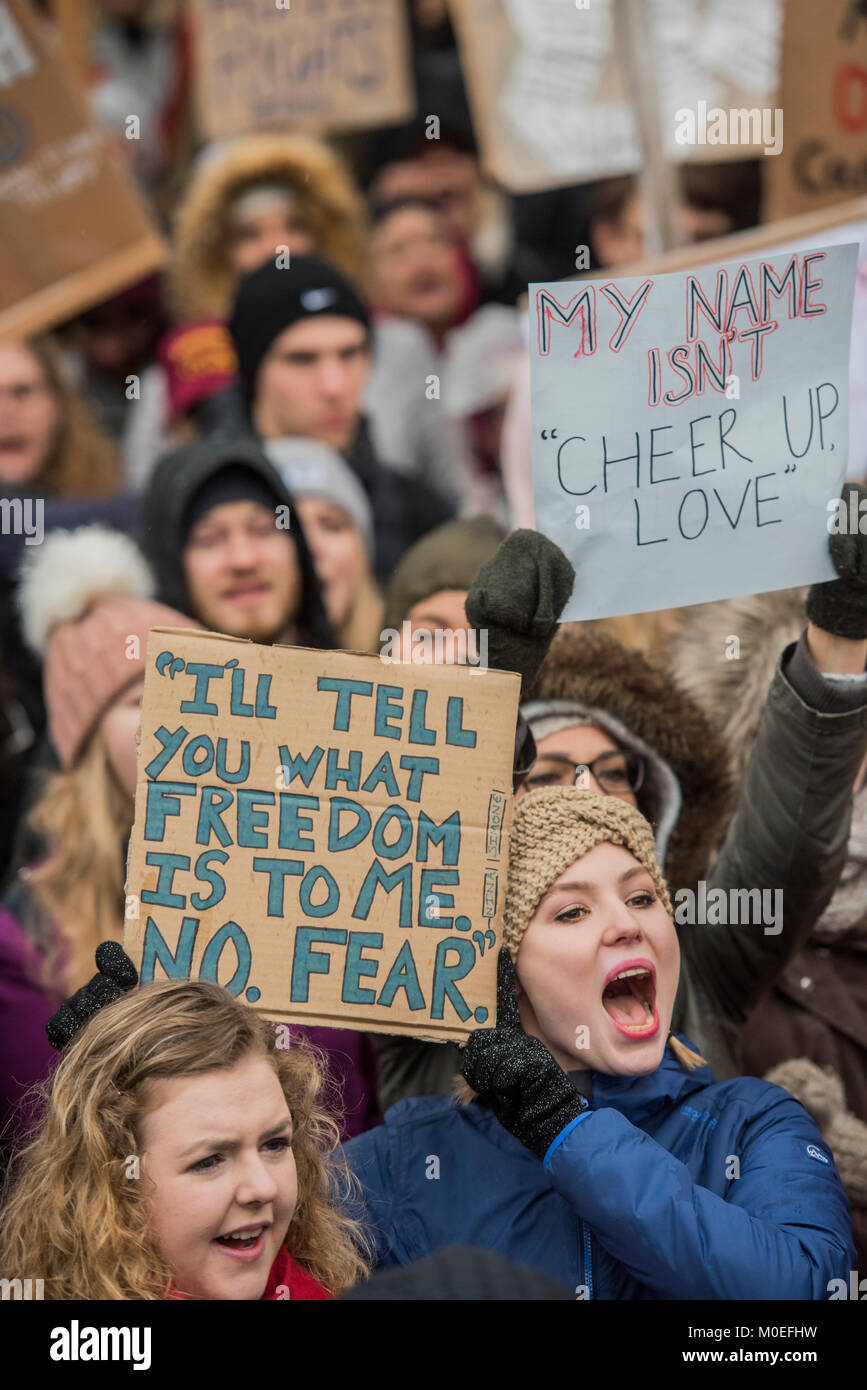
x=315, y=64
x=488, y=46
x=72, y=228
x=823, y=94
x=407, y=960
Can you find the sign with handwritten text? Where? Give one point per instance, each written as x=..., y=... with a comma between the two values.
x=312, y=64
x=689, y=430
x=321, y=834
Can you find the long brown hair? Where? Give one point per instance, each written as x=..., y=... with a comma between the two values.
x=83, y=461
x=76, y=1218
x=85, y=819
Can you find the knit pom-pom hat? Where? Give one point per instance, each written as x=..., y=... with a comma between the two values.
x=85, y=604
x=554, y=826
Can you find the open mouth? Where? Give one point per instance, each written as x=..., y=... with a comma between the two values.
x=252, y=594
x=246, y=1244
x=629, y=999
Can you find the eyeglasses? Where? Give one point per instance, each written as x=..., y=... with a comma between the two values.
x=618, y=772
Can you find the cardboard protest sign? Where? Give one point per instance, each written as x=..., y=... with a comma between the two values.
x=315, y=64
x=823, y=94
x=323, y=833
x=551, y=103
x=72, y=229
x=689, y=429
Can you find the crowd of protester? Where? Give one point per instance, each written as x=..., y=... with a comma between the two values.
x=340, y=338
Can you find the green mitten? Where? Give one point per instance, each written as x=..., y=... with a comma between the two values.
x=517, y=597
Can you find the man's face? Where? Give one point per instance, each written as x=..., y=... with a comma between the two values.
x=242, y=573
x=311, y=381
x=447, y=177
x=415, y=268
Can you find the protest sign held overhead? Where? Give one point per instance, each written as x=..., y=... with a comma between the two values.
x=823, y=88
x=319, y=64
x=554, y=104
x=689, y=429
x=323, y=834
x=72, y=229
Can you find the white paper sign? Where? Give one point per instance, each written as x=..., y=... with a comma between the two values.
x=690, y=429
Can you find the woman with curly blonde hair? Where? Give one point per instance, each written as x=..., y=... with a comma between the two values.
x=183, y=1154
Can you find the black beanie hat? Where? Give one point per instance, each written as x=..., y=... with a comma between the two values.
x=274, y=297
x=234, y=483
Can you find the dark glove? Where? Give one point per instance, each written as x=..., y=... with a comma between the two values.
x=517, y=597
x=516, y=1075
x=840, y=605
x=116, y=975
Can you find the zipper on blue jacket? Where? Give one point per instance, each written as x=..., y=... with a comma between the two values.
x=588, y=1262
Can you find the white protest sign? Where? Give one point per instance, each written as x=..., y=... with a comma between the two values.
x=690, y=429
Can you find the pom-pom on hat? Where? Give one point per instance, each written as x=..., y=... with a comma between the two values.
x=554, y=826
x=86, y=609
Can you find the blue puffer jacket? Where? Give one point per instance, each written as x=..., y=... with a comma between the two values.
x=637, y=1198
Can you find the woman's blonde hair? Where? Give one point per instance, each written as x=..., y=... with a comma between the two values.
x=85, y=819
x=77, y=1217
x=361, y=628
x=83, y=461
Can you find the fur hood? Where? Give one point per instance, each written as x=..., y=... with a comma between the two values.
x=729, y=682
x=201, y=284
x=594, y=670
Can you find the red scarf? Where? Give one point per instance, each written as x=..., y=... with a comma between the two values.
x=287, y=1276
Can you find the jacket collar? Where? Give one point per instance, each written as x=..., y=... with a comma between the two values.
x=639, y=1097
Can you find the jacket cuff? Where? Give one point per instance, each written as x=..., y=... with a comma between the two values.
x=552, y=1148
x=825, y=694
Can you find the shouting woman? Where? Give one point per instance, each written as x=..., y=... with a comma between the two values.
x=599, y=1148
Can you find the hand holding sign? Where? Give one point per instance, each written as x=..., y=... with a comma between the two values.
x=116, y=975
x=517, y=598
x=840, y=606
x=516, y=1075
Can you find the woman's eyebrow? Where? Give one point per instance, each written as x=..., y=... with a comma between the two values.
x=573, y=886
x=212, y=1143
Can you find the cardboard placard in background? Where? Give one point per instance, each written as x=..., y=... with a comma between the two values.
x=549, y=101
x=318, y=65
x=823, y=94
x=72, y=228
x=323, y=833
x=688, y=430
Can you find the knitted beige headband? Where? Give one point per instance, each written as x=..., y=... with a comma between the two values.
x=555, y=826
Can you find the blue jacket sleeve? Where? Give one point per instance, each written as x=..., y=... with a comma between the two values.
x=369, y=1157
x=781, y=1231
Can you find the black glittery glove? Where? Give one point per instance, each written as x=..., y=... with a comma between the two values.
x=840, y=605
x=517, y=598
x=116, y=975
x=515, y=1074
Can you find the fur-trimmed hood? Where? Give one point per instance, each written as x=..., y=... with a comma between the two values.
x=725, y=655
x=595, y=671
x=201, y=284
